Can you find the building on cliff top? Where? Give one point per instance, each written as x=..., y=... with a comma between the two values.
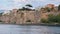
x=50, y=5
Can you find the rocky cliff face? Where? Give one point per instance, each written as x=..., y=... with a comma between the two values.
x=21, y=17
x=26, y=16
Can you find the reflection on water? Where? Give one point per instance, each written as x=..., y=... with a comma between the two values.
x=18, y=29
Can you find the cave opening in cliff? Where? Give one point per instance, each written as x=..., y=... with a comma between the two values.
x=28, y=21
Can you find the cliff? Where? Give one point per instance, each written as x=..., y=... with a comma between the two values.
x=21, y=17
x=28, y=16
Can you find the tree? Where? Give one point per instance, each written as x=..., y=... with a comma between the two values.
x=1, y=14
x=23, y=8
x=48, y=9
x=59, y=8
x=28, y=5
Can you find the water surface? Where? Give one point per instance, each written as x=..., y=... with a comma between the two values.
x=19, y=29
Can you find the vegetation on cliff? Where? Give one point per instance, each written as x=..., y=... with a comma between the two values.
x=51, y=19
x=59, y=8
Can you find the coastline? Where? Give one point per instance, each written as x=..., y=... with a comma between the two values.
x=58, y=25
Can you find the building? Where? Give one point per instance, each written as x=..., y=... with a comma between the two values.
x=50, y=5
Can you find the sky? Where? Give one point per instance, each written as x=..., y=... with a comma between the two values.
x=12, y=4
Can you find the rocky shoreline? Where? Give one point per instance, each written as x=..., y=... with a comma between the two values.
x=41, y=24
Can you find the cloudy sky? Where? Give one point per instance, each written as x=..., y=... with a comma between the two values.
x=10, y=4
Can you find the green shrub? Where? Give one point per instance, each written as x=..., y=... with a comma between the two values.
x=51, y=19
x=54, y=18
x=44, y=20
x=58, y=18
x=1, y=21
